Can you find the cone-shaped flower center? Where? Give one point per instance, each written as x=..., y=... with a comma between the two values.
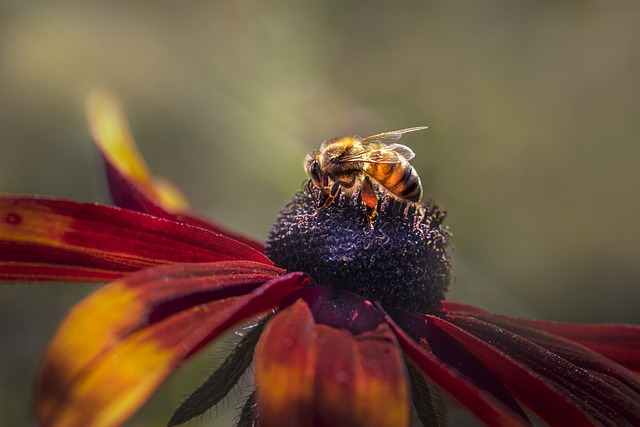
x=402, y=262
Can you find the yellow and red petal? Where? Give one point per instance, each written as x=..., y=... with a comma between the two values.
x=313, y=374
x=120, y=308
x=118, y=345
x=52, y=239
x=111, y=133
x=131, y=183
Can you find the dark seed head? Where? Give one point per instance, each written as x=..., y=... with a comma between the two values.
x=402, y=262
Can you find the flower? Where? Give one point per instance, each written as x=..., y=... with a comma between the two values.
x=350, y=339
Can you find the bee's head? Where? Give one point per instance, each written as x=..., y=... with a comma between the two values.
x=313, y=169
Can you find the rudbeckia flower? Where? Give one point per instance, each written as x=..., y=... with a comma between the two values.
x=349, y=324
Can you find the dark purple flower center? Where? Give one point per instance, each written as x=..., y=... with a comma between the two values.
x=402, y=262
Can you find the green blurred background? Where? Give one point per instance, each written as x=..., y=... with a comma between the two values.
x=533, y=143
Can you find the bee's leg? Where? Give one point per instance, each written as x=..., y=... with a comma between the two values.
x=333, y=193
x=326, y=199
x=370, y=199
x=323, y=200
x=322, y=196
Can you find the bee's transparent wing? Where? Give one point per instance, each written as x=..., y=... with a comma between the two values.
x=389, y=137
x=382, y=148
x=401, y=150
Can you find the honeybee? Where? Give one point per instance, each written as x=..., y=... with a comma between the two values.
x=341, y=163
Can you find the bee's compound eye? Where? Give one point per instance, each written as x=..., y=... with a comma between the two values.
x=314, y=171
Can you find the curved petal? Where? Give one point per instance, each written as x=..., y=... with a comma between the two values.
x=311, y=374
x=111, y=134
x=119, y=309
x=620, y=343
x=130, y=181
x=572, y=351
x=114, y=349
x=457, y=372
x=557, y=390
x=53, y=239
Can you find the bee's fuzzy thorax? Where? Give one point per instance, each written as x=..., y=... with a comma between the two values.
x=403, y=262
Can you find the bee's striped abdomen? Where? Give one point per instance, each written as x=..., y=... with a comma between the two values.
x=400, y=179
x=412, y=189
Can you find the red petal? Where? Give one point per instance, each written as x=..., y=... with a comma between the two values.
x=574, y=352
x=457, y=307
x=620, y=343
x=490, y=407
x=558, y=391
x=18, y=263
x=114, y=349
x=61, y=239
x=130, y=181
x=310, y=374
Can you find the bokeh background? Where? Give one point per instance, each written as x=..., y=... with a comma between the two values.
x=533, y=144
